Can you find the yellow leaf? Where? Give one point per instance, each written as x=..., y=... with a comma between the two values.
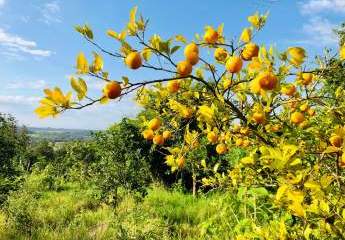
x=248, y=160
x=255, y=20
x=295, y=179
x=97, y=63
x=57, y=96
x=133, y=13
x=342, y=52
x=122, y=35
x=326, y=180
x=146, y=53
x=307, y=232
x=296, y=162
x=297, y=209
x=191, y=138
x=112, y=33
x=324, y=207
x=82, y=64
x=282, y=230
x=220, y=29
x=170, y=160
x=281, y=191
x=331, y=149
x=246, y=35
x=79, y=86
x=206, y=112
x=312, y=185
x=104, y=100
x=46, y=101
x=203, y=163
x=181, y=38
x=295, y=196
x=44, y=111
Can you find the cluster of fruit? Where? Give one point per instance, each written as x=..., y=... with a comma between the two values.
x=151, y=133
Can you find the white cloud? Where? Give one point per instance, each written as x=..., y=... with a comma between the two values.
x=16, y=44
x=18, y=99
x=2, y=3
x=320, y=32
x=39, y=84
x=51, y=12
x=316, y=6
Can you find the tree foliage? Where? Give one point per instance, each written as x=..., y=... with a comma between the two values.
x=285, y=112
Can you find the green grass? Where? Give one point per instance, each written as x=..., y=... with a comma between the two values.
x=42, y=210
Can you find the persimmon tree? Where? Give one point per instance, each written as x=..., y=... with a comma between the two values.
x=220, y=93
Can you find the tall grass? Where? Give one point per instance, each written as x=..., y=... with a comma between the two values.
x=41, y=210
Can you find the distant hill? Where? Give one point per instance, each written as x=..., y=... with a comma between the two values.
x=58, y=134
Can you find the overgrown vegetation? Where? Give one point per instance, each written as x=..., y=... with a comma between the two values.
x=227, y=151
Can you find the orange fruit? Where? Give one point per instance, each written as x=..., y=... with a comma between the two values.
x=192, y=47
x=173, y=86
x=220, y=54
x=148, y=134
x=297, y=117
x=221, y=148
x=336, y=141
x=191, y=52
x=306, y=78
x=154, y=124
x=212, y=137
x=112, y=90
x=289, y=90
x=133, y=60
x=166, y=135
x=184, y=68
x=234, y=64
x=181, y=162
x=211, y=36
x=267, y=80
x=250, y=50
x=259, y=117
x=193, y=58
x=158, y=140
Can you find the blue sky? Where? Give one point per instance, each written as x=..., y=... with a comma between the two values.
x=38, y=44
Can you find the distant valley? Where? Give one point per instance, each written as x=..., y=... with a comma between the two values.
x=59, y=134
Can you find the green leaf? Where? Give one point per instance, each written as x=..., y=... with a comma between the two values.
x=88, y=32
x=79, y=29
x=174, y=49
x=125, y=80
x=260, y=192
